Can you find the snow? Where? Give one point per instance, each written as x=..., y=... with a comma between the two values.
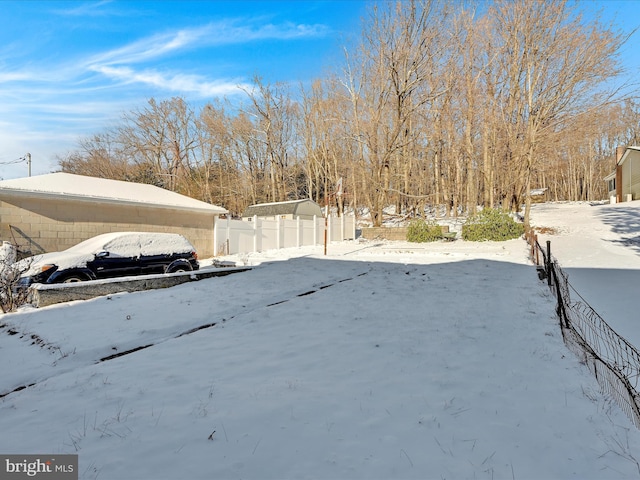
x=7, y=253
x=379, y=360
x=598, y=246
x=31, y=266
x=8, y=256
x=278, y=203
x=164, y=244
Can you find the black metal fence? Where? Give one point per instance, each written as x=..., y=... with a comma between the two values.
x=612, y=359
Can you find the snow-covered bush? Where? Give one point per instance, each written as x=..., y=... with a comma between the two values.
x=491, y=224
x=421, y=231
x=8, y=253
x=10, y=297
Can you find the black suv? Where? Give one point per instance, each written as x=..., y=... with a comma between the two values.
x=111, y=255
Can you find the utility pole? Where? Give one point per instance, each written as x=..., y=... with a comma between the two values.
x=28, y=157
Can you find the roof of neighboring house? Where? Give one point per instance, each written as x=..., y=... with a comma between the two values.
x=67, y=186
x=626, y=154
x=280, y=208
x=624, y=157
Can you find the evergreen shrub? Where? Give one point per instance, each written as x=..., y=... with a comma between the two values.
x=421, y=231
x=491, y=224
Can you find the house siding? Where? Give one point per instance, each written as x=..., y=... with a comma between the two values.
x=631, y=176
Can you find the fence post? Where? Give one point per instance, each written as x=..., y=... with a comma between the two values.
x=562, y=312
x=315, y=230
x=216, y=228
x=535, y=246
x=228, y=235
x=548, y=266
x=278, y=228
x=326, y=223
x=532, y=244
x=255, y=233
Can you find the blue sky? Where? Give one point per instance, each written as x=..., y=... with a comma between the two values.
x=70, y=69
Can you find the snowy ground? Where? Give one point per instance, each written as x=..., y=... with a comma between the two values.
x=379, y=360
x=598, y=246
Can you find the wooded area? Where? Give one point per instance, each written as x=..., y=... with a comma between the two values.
x=440, y=107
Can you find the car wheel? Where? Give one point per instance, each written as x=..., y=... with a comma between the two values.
x=180, y=267
x=74, y=279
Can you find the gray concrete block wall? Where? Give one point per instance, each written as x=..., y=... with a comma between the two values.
x=387, y=233
x=391, y=233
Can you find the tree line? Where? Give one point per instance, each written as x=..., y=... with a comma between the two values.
x=438, y=106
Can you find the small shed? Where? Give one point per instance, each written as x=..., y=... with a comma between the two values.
x=52, y=212
x=304, y=209
x=538, y=195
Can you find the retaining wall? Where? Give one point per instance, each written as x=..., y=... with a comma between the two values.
x=391, y=233
x=42, y=295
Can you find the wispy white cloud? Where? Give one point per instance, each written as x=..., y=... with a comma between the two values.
x=151, y=48
x=6, y=77
x=286, y=31
x=86, y=9
x=192, y=84
x=213, y=34
x=118, y=64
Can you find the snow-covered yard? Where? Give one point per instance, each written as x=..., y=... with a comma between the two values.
x=598, y=246
x=379, y=360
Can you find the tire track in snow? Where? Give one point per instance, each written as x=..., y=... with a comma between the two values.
x=190, y=331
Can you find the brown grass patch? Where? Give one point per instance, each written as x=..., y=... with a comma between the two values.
x=545, y=230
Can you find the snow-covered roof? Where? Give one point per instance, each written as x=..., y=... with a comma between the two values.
x=627, y=152
x=304, y=207
x=287, y=202
x=79, y=187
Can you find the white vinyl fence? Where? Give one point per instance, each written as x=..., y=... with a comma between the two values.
x=239, y=236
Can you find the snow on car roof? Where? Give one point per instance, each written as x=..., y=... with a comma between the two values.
x=80, y=187
x=155, y=243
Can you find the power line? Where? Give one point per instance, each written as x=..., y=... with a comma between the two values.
x=25, y=158
x=12, y=162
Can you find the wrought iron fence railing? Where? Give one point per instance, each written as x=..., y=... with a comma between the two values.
x=610, y=357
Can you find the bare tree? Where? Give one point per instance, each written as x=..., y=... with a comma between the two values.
x=326, y=141
x=161, y=139
x=274, y=112
x=554, y=67
x=435, y=105
x=99, y=155
x=388, y=83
